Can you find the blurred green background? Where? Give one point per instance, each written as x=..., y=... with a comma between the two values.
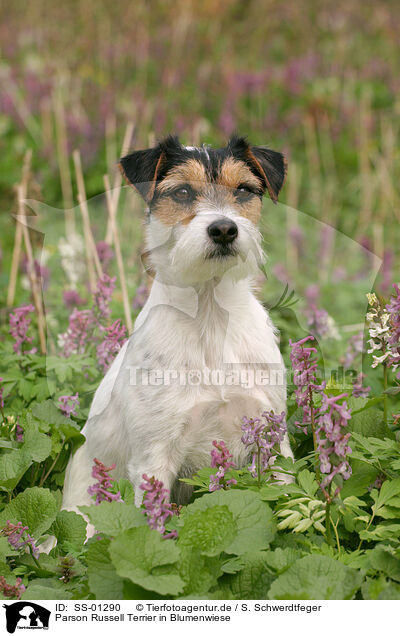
x=317, y=80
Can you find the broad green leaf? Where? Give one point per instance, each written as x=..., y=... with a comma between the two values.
x=113, y=517
x=70, y=530
x=46, y=589
x=34, y=507
x=316, y=577
x=13, y=465
x=211, y=531
x=144, y=557
x=253, y=517
x=380, y=589
x=37, y=444
x=254, y=578
x=104, y=581
x=198, y=572
x=369, y=423
x=384, y=561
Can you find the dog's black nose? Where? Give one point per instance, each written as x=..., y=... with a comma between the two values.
x=223, y=231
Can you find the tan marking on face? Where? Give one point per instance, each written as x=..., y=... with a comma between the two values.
x=192, y=172
x=170, y=212
x=251, y=209
x=234, y=173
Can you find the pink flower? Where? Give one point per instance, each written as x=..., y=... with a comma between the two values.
x=332, y=441
x=12, y=591
x=114, y=338
x=79, y=333
x=68, y=404
x=105, y=253
x=14, y=534
x=102, y=297
x=304, y=369
x=221, y=459
x=264, y=435
x=19, y=324
x=72, y=299
x=157, y=507
x=101, y=489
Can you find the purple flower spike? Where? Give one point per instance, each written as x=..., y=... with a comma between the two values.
x=264, y=435
x=19, y=324
x=18, y=537
x=304, y=368
x=332, y=441
x=101, y=490
x=102, y=296
x=157, y=507
x=221, y=459
x=114, y=338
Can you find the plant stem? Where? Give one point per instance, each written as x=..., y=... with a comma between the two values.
x=44, y=477
x=385, y=386
x=328, y=516
x=259, y=467
x=310, y=397
x=336, y=535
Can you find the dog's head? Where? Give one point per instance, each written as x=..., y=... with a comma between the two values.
x=204, y=205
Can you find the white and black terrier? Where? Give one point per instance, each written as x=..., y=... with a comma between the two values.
x=178, y=383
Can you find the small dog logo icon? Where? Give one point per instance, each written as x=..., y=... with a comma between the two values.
x=26, y=615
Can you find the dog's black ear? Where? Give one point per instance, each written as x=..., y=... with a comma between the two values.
x=269, y=165
x=143, y=168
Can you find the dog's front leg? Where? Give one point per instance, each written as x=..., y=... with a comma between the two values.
x=162, y=461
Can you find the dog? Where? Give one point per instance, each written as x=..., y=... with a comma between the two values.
x=175, y=386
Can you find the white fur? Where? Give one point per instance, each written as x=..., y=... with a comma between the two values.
x=201, y=314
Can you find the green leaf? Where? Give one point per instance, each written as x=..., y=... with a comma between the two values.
x=389, y=489
x=70, y=530
x=34, y=507
x=308, y=482
x=253, y=580
x=383, y=560
x=382, y=532
x=253, y=517
x=211, y=531
x=13, y=465
x=46, y=589
x=362, y=477
x=113, y=517
x=104, y=581
x=37, y=444
x=316, y=577
x=49, y=413
x=369, y=423
x=198, y=572
x=5, y=549
x=144, y=557
x=380, y=589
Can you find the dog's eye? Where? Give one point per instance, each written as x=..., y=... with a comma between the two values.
x=243, y=192
x=183, y=194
